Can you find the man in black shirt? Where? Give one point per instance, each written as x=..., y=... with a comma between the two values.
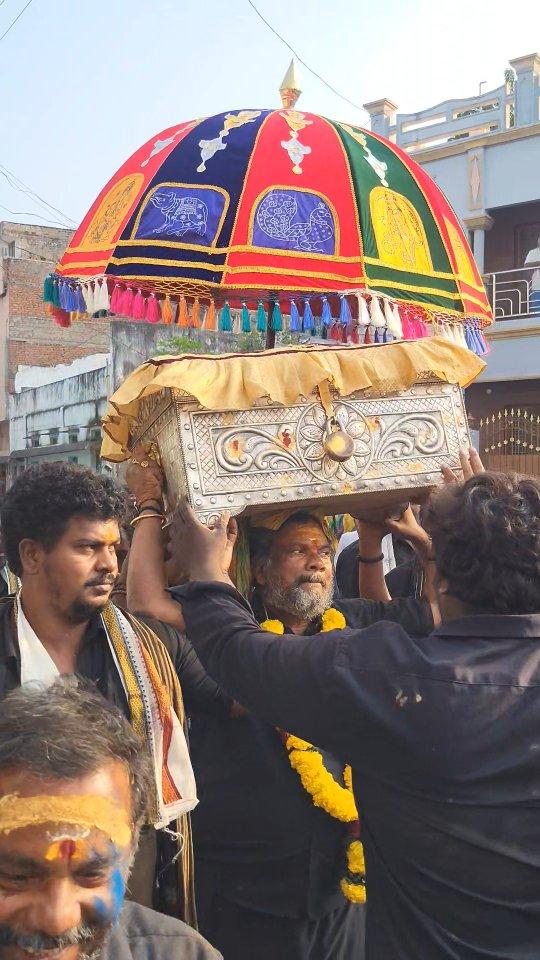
x=269, y=860
x=441, y=731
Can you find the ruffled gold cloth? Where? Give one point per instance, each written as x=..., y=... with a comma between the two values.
x=237, y=381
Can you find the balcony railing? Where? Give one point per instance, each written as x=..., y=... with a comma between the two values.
x=511, y=293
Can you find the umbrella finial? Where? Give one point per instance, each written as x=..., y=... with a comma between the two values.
x=290, y=88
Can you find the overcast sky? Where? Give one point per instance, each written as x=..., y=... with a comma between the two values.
x=85, y=83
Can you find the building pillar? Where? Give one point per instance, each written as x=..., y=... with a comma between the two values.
x=479, y=225
x=381, y=113
x=527, y=88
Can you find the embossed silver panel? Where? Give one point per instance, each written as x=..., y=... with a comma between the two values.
x=252, y=460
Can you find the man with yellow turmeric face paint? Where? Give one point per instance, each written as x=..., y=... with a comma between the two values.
x=71, y=807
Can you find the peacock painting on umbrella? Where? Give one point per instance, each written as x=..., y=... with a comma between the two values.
x=273, y=220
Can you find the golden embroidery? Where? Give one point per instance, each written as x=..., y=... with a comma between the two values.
x=399, y=232
x=111, y=211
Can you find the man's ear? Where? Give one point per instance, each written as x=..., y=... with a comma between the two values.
x=31, y=554
x=260, y=572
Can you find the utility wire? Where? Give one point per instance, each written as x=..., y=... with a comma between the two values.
x=26, y=213
x=303, y=62
x=18, y=17
x=23, y=187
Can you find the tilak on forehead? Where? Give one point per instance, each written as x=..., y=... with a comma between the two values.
x=88, y=812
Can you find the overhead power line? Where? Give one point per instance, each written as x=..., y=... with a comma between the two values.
x=314, y=73
x=18, y=184
x=13, y=22
x=38, y=216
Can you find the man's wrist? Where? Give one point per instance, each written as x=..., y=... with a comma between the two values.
x=209, y=573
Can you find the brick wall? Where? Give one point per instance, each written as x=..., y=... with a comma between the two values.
x=39, y=341
x=31, y=336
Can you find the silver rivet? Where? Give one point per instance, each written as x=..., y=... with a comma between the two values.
x=317, y=489
x=212, y=499
x=198, y=502
x=230, y=498
x=190, y=446
x=283, y=493
x=248, y=496
x=196, y=486
x=300, y=491
x=186, y=426
x=266, y=494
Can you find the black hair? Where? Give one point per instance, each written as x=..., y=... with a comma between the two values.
x=486, y=541
x=43, y=500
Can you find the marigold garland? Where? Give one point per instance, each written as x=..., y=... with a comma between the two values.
x=336, y=800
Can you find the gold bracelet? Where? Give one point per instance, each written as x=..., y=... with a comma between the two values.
x=143, y=516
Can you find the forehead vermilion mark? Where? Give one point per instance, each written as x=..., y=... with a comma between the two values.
x=67, y=849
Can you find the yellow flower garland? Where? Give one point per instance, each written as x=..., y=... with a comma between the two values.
x=316, y=780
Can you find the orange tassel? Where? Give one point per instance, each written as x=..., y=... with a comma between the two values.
x=182, y=320
x=210, y=323
x=166, y=310
x=195, y=310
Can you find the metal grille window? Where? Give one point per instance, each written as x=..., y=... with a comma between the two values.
x=54, y=433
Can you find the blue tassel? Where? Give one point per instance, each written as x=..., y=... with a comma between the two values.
x=246, y=323
x=345, y=315
x=225, y=322
x=469, y=337
x=296, y=323
x=63, y=296
x=72, y=300
x=81, y=306
x=326, y=315
x=48, y=286
x=261, y=318
x=483, y=343
x=308, y=319
x=277, y=319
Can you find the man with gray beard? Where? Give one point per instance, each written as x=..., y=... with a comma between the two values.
x=270, y=858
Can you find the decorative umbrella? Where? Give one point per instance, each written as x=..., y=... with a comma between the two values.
x=278, y=214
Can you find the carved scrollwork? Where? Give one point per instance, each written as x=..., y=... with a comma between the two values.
x=242, y=449
x=420, y=434
x=312, y=428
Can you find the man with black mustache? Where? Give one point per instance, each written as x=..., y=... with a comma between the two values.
x=60, y=525
x=71, y=810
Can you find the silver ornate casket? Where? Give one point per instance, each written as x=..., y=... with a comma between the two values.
x=272, y=456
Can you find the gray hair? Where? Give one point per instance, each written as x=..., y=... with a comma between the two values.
x=67, y=731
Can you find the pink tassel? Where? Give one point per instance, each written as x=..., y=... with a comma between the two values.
x=153, y=314
x=126, y=304
x=138, y=306
x=355, y=338
x=116, y=299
